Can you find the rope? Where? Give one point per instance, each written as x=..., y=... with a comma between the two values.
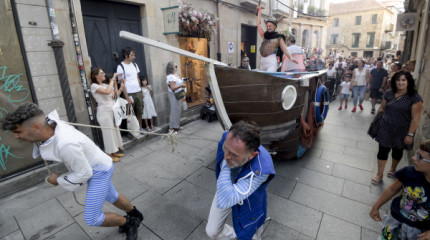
x=170, y=137
x=49, y=174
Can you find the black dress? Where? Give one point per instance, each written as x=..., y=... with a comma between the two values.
x=396, y=120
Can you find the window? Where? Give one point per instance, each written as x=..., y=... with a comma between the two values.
x=333, y=38
x=370, y=39
x=336, y=22
x=374, y=18
x=357, y=20
x=355, y=40
x=354, y=54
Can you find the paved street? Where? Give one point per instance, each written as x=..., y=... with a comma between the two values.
x=325, y=195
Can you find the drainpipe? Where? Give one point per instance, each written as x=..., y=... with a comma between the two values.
x=57, y=46
x=81, y=67
x=218, y=32
x=421, y=41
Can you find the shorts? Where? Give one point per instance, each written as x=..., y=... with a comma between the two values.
x=375, y=93
x=137, y=103
x=344, y=96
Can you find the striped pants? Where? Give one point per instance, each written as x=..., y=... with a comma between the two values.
x=100, y=189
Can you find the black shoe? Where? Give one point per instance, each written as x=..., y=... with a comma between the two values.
x=372, y=111
x=130, y=228
x=133, y=213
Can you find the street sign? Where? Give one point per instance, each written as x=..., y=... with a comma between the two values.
x=230, y=47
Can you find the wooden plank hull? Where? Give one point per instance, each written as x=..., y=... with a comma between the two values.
x=257, y=96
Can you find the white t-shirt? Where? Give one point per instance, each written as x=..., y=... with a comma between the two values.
x=345, y=87
x=104, y=101
x=337, y=64
x=132, y=81
x=330, y=73
x=174, y=78
x=360, y=77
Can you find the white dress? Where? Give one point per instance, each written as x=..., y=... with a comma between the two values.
x=148, y=106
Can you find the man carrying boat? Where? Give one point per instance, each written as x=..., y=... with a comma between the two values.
x=298, y=55
x=272, y=40
x=243, y=170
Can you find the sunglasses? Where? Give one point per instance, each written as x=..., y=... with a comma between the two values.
x=419, y=157
x=176, y=66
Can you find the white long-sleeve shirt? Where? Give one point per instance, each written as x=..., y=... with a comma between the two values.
x=79, y=153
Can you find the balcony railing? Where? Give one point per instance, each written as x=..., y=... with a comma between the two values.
x=279, y=8
x=252, y=4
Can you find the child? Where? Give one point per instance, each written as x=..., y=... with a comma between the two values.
x=148, y=106
x=344, y=91
x=409, y=216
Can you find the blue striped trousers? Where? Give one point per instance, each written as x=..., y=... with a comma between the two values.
x=100, y=189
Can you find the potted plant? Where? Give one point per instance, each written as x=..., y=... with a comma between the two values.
x=311, y=10
x=193, y=23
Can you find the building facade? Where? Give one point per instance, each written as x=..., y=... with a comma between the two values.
x=49, y=47
x=363, y=29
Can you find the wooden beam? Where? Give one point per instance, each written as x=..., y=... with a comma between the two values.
x=137, y=38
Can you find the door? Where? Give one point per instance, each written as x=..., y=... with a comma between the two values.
x=249, y=44
x=103, y=20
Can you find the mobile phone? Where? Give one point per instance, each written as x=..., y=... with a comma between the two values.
x=120, y=78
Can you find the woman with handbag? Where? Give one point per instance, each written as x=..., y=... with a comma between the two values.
x=103, y=90
x=401, y=108
x=175, y=92
x=360, y=79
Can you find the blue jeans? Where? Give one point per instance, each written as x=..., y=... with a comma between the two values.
x=358, y=90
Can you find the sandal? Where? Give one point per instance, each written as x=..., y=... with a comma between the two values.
x=391, y=174
x=118, y=154
x=148, y=129
x=376, y=181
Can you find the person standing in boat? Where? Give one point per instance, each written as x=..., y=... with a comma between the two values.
x=272, y=40
x=298, y=55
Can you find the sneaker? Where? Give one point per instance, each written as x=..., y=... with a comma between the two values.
x=354, y=109
x=372, y=111
x=346, y=106
x=340, y=108
x=361, y=107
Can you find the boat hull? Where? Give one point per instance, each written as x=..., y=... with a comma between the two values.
x=257, y=96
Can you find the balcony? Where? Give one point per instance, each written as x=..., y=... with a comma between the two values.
x=389, y=27
x=279, y=8
x=385, y=45
x=252, y=4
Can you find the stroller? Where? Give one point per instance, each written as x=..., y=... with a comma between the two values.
x=208, y=109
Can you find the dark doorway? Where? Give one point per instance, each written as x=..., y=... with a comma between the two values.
x=367, y=54
x=103, y=20
x=248, y=44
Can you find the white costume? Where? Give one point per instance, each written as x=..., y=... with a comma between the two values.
x=80, y=155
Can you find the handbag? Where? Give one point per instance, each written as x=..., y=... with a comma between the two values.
x=119, y=109
x=180, y=94
x=132, y=123
x=374, y=126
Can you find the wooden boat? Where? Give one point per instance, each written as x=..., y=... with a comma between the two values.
x=280, y=103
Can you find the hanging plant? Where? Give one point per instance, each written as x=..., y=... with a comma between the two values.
x=195, y=24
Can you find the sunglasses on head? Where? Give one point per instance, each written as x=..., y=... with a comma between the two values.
x=420, y=158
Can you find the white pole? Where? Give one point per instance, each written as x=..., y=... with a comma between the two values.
x=136, y=38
